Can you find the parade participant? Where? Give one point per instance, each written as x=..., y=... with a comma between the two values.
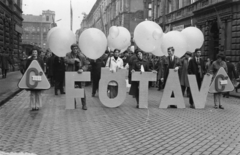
x=59, y=74
x=76, y=63
x=231, y=74
x=96, y=73
x=208, y=64
x=216, y=65
x=130, y=65
x=184, y=73
x=35, y=95
x=172, y=62
x=114, y=63
x=23, y=61
x=140, y=65
x=196, y=67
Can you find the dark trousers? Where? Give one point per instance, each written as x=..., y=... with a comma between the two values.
x=113, y=91
x=59, y=85
x=160, y=85
x=79, y=85
x=4, y=73
x=95, y=83
x=199, y=81
x=184, y=89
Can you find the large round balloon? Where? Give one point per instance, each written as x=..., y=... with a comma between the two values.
x=194, y=38
x=119, y=37
x=176, y=40
x=93, y=43
x=60, y=41
x=147, y=35
x=51, y=31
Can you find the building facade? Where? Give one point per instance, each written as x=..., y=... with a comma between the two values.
x=219, y=21
x=107, y=13
x=11, y=26
x=35, y=28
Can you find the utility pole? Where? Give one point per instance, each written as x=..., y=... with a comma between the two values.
x=41, y=34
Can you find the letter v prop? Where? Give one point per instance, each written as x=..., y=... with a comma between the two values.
x=199, y=97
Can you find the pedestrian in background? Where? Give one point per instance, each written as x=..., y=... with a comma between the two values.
x=216, y=65
x=184, y=73
x=160, y=74
x=96, y=73
x=23, y=62
x=76, y=63
x=114, y=63
x=59, y=74
x=35, y=95
x=4, y=64
x=231, y=74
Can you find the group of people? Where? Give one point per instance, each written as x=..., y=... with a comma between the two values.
x=137, y=60
x=6, y=61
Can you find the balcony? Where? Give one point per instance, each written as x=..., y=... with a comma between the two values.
x=187, y=11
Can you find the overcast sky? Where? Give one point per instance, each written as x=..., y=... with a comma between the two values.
x=62, y=10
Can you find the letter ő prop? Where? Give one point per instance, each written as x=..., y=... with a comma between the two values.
x=143, y=79
x=71, y=92
x=172, y=86
x=106, y=77
x=199, y=96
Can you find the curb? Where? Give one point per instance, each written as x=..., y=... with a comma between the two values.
x=10, y=97
x=236, y=96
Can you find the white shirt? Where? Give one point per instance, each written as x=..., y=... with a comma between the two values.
x=114, y=65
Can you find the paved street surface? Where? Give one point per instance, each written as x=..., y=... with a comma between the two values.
x=124, y=130
x=9, y=86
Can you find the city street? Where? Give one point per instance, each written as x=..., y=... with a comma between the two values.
x=125, y=130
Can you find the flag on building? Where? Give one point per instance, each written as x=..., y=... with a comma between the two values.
x=71, y=15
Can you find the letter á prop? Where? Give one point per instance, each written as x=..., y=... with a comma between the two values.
x=34, y=78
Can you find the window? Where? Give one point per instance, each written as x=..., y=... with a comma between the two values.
x=47, y=18
x=44, y=29
x=149, y=10
x=192, y=1
x=38, y=29
x=169, y=6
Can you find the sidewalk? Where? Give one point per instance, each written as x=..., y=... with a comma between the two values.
x=124, y=130
x=8, y=86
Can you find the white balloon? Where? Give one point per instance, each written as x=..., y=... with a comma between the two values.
x=93, y=43
x=121, y=41
x=158, y=51
x=176, y=40
x=114, y=31
x=194, y=38
x=60, y=41
x=49, y=33
x=147, y=35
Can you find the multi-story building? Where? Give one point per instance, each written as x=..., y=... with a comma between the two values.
x=10, y=26
x=219, y=21
x=107, y=13
x=35, y=28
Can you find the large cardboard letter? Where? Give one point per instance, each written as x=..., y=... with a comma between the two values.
x=172, y=86
x=143, y=79
x=106, y=77
x=71, y=92
x=221, y=82
x=199, y=97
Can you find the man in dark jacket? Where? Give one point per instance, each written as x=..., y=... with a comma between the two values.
x=196, y=67
x=59, y=74
x=75, y=62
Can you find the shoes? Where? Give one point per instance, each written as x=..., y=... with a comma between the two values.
x=56, y=93
x=192, y=106
x=215, y=107
x=84, y=107
x=93, y=95
x=63, y=92
x=221, y=107
x=137, y=106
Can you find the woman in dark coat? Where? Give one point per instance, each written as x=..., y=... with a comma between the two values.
x=134, y=90
x=59, y=74
x=4, y=64
x=96, y=73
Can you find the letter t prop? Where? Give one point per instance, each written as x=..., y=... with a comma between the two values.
x=71, y=92
x=143, y=79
